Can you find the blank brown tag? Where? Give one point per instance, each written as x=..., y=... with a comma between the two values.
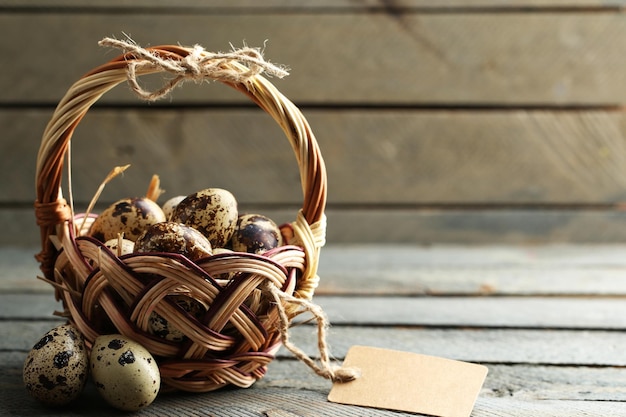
x=410, y=382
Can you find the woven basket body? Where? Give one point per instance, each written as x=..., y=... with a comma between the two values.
x=237, y=334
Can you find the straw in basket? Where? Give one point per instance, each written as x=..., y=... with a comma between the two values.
x=248, y=317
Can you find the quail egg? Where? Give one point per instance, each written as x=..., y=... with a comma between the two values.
x=256, y=233
x=120, y=246
x=56, y=369
x=169, y=206
x=174, y=238
x=124, y=372
x=212, y=211
x=128, y=216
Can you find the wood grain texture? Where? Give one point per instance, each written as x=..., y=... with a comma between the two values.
x=518, y=382
x=282, y=394
x=406, y=226
x=412, y=270
x=432, y=312
x=498, y=346
x=547, y=58
x=408, y=157
x=547, y=356
x=525, y=113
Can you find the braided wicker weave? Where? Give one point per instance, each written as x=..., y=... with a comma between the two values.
x=237, y=337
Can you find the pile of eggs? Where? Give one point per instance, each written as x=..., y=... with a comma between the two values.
x=195, y=226
x=124, y=372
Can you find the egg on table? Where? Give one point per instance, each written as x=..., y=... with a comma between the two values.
x=56, y=369
x=124, y=372
x=128, y=216
x=212, y=211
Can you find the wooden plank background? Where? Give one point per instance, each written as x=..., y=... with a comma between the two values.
x=440, y=121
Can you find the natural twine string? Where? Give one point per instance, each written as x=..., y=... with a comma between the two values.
x=198, y=66
x=325, y=369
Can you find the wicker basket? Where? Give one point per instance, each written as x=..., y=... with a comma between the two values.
x=233, y=342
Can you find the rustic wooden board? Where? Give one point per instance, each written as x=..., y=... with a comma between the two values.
x=546, y=58
x=280, y=402
x=499, y=346
x=478, y=270
x=521, y=382
x=476, y=226
x=416, y=226
x=460, y=280
x=484, y=312
x=419, y=270
x=568, y=365
x=408, y=157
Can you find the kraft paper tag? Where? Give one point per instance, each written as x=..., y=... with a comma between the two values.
x=410, y=382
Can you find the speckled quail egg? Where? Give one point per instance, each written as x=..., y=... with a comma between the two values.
x=120, y=246
x=128, y=216
x=125, y=373
x=212, y=211
x=56, y=369
x=174, y=238
x=159, y=326
x=256, y=233
x=169, y=206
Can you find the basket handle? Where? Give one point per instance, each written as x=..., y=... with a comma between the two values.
x=52, y=210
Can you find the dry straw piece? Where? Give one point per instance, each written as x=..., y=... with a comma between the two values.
x=249, y=300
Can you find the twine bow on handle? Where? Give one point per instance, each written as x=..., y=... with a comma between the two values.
x=198, y=66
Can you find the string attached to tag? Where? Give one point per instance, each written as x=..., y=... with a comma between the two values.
x=325, y=368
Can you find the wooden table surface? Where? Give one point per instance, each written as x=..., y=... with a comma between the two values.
x=548, y=322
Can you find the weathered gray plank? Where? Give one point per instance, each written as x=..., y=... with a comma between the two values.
x=487, y=270
x=420, y=270
x=504, y=346
x=556, y=58
x=475, y=281
x=416, y=226
x=303, y=394
x=398, y=280
x=19, y=271
x=513, y=408
x=519, y=382
x=500, y=346
x=555, y=383
x=515, y=382
x=475, y=226
x=289, y=402
x=508, y=312
x=484, y=312
x=426, y=157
